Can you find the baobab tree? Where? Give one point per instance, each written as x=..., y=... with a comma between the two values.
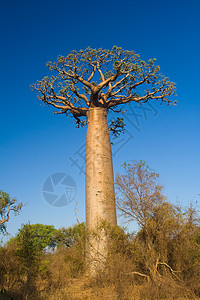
x=87, y=84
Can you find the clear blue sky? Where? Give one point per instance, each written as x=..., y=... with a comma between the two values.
x=35, y=143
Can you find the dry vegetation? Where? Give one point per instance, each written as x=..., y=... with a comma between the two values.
x=160, y=261
x=61, y=274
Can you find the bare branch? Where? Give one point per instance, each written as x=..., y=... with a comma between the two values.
x=100, y=72
x=106, y=82
x=139, y=274
x=76, y=211
x=137, y=84
x=111, y=88
x=171, y=270
x=92, y=74
x=120, y=99
x=81, y=96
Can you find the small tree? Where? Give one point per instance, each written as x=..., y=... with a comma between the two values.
x=140, y=198
x=139, y=192
x=7, y=205
x=87, y=84
x=31, y=242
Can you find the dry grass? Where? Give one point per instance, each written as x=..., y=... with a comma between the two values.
x=85, y=289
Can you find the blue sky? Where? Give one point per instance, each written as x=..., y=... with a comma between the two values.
x=36, y=144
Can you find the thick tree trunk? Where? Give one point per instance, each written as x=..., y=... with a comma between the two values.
x=100, y=198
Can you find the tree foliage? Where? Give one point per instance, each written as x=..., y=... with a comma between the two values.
x=102, y=78
x=7, y=205
x=41, y=236
x=70, y=236
x=30, y=245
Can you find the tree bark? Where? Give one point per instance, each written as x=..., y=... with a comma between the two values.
x=100, y=197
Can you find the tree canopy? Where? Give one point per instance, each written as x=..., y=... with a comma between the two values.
x=39, y=235
x=102, y=78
